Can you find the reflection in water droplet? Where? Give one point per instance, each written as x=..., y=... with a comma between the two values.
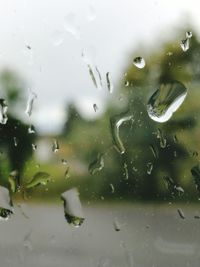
x=166, y=100
x=185, y=44
x=97, y=165
x=181, y=213
x=72, y=207
x=29, y=105
x=116, y=122
x=196, y=175
x=6, y=209
x=109, y=82
x=149, y=168
x=31, y=129
x=95, y=107
x=3, y=111
x=139, y=62
x=188, y=34
x=55, y=146
x=40, y=178
x=14, y=181
x=160, y=136
x=116, y=225
x=112, y=188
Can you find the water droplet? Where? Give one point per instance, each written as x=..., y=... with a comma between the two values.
x=95, y=107
x=196, y=175
x=149, y=168
x=92, y=75
x=154, y=151
x=67, y=173
x=70, y=25
x=55, y=146
x=40, y=178
x=160, y=136
x=15, y=139
x=169, y=53
x=166, y=100
x=139, y=62
x=126, y=83
x=14, y=181
x=72, y=207
x=109, y=82
x=181, y=213
x=6, y=209
x=188, y=34
x=173, y=188
x=28, y=47
x=175, y=139
x=29, y=105
x=97, y=165
x=57, y=37
x=3, y=111
x=116, y=225
x=125, y=170
x=64, y=161
x=22, y=209
x=196, y=216
x=34, y=146
x=116, y=122
x=185, y=44
x=31, y=129
x=27, y=241
x=112, y=188
x=91, y=13
x=195, y=153
x=99, y=75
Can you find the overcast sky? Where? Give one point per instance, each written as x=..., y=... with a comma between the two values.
x=59, y=31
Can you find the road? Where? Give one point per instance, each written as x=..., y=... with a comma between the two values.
x=150, y=236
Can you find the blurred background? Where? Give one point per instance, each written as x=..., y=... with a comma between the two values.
x=71, y=63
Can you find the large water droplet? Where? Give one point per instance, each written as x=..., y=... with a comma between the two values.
x=6, y=209
x=139, y=62
x=181, y=213
x=116, y=122
x=166, y=100
x=97, y=165
x=185, y=44
x=109, y=82
x=196, y=175
x=55, y=146
x=14, y=181
x=40, y=178
x=72, y=207
x=3, y=111
x=29, y=105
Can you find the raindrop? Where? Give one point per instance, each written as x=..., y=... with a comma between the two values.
x=139, y=62
x=116, y=225
x=29, y=105
x=67, y=173
x=15, y=141
x=149, y=168
x=55, y=146
x=6, y=209
x=91, y=13
x=112, y=188
x=95, y=107
x=31, y=129
x=196, y=175
x=22, y=209
x=64, y=161
x=109, y=83
x=173, y=188
x=34, y=146
x=99, y=75
x=188, y=34
x=14, y=181
x=40, y=178
x=160, y=136
x=3, y=111
x=175, y=139
x=125, y=170
x=70, y=25
x=126, y=83
x=97, y=165
x=195, y=153
x=92, y=75
x=166, y=100
x=27, y=241
x=196, y=216
x=185, y=44
x=154, y=151
x=181, y=213
x=57, y=37
x=116, y=122
x=28, y=47
x=72, y=207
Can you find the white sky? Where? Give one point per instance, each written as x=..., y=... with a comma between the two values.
x=58, y=31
